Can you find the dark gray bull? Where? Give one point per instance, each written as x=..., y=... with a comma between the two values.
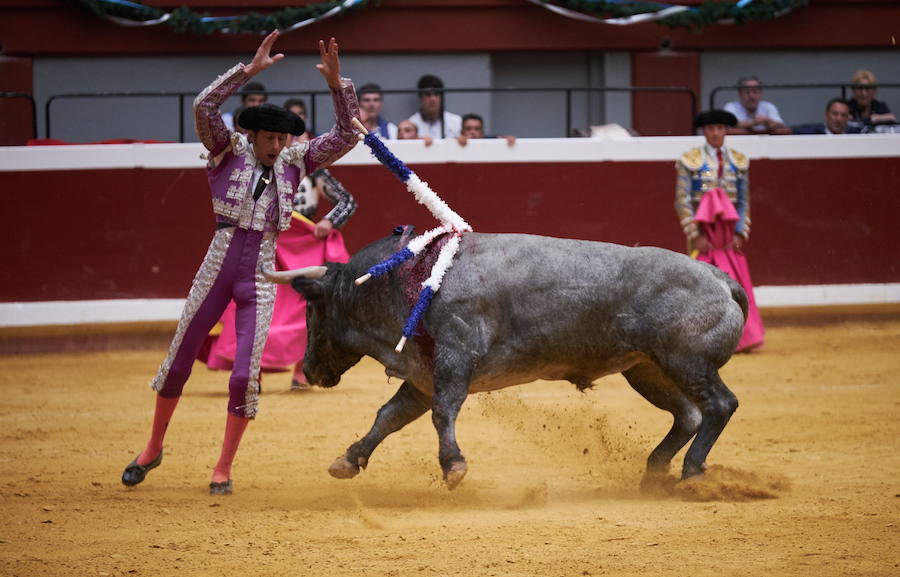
x=515, y=308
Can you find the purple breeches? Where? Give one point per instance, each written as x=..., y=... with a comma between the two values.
x=230, y=270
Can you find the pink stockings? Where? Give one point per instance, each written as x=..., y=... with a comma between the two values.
x=234, y=431
x=161, y=417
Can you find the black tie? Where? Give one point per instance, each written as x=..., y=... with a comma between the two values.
x=263, y=182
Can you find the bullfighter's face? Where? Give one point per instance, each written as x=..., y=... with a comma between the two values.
x=715, y=134
x=268, y=145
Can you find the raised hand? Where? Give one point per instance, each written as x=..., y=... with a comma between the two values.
x=330, y=67
x=263, y=59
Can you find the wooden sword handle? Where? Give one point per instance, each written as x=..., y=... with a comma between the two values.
x=359, y=125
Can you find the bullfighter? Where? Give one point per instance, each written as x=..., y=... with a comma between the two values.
x=712, y=200
x=253, y=180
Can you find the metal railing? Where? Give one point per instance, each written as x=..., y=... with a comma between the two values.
x=314, y=95
x=28, y=96
x=844, y=87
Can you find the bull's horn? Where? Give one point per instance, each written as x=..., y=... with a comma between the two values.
x=286, y=276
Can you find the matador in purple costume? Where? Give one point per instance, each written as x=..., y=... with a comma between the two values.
x=253, y=180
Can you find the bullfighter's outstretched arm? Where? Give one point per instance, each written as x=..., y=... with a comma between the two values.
x=328, y=147
x=208, y=123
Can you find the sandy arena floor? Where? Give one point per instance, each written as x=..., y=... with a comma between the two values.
x=804, y=481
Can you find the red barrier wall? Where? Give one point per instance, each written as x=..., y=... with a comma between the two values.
x=440, y=26
x=141, y=233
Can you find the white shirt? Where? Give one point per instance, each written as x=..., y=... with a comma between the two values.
x=228, y=119
x=764, y=108
x=452, y=125
x=392, y=131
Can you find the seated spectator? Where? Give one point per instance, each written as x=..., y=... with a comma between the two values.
x=370, y=102
x=473, y=127
x=837, y=115
x=755, y=116
x=252, y=94
x=237, y=114
x=865, y=110
x=407, y=130
x=298, y=107
x=428, y=119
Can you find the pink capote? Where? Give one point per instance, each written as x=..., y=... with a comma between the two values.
x=286, y=344
x=717, y=217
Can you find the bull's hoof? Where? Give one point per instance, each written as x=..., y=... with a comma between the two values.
x=454, y=475
x=691, y=470
x=342, y=468
x=658, y=483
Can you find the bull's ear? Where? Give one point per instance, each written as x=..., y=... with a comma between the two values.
x=315, y=286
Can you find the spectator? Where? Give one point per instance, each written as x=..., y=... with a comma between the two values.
x=431, y=102
x=754, y=115
x=370, y=102
x=865, y=110
x=473, y=127
x=298, y=107
x=837, y=115
x=237, y=114
x=407, y=130
x=252, y=94
x=712, y=200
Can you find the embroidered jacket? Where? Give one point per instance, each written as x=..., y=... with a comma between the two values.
x=698, y=172
x=232, y=162
x=307, y=198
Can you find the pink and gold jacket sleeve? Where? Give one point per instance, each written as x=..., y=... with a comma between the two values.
x=208, y=123
x=327, y=148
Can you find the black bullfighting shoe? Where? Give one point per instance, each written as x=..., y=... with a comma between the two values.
x=134, y=473
x=221, y=488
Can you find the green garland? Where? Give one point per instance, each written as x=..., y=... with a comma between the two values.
x=695, y=19
x=183, y=19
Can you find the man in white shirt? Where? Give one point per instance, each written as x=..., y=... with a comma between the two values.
x=755, y=116
x=431, y=102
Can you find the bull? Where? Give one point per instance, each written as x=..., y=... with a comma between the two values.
x=515, y=308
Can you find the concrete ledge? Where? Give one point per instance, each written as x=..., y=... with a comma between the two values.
x=113, y=311
x=86, y=337
x=158, y=334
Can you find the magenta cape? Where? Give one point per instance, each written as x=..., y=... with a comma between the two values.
x=286, y=344
x=717, y=216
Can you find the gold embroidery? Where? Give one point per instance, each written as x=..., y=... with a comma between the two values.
x=692, y=159
x=740, y=160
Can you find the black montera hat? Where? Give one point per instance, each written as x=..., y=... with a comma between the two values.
x=272, y=118
x=715, y=117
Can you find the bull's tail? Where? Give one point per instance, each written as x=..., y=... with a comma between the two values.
x=737, y=291
x=738, y=294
